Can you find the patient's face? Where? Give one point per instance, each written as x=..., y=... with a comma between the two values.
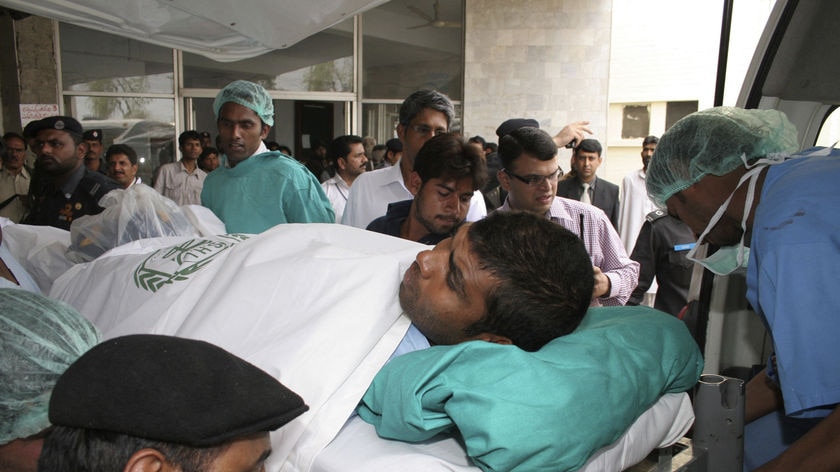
x=444, y=290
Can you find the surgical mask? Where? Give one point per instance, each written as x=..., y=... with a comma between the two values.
x=729, y=259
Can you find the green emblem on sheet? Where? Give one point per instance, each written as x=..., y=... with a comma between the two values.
x=178, y=263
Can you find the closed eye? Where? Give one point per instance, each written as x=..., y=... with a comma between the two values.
x=455, y=278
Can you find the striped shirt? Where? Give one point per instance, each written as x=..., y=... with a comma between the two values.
x=602, y=243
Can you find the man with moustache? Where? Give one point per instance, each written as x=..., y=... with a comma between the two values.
x=529, y=174
x=261, y=188
x=446, y=174
x=346, y=154
x=585, y=186
x=69, y=190
x=511, y=278
x=93, y=156
x=122, y=165
x=15, y=177
x=423, y=115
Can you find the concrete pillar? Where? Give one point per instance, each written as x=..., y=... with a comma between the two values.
x=28, y=66
x=542, y=59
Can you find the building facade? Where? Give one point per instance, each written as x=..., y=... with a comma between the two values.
x=629, y=68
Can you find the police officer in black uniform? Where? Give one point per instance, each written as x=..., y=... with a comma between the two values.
x=661, y=250
x=66, y=190
x=94, y=156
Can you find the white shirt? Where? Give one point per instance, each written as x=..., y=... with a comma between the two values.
x=635, y=205
x=337, y=192
x=178, y=184
x=373, y=191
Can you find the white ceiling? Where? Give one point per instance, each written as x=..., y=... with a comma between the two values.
x=221, y=30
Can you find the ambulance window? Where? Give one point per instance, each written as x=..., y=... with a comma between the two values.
x=830, y=131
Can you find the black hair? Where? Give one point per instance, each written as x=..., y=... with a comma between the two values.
x=422, y=99
x=121, y=149
x=88, y=450
x=650, y=140
x=187, y=135
x=478, y=139
x=13, y=135
x=205, y=153
x=340, y=147
x=545, y=278
x=533, y=141
x=589, y=145
x=447, y=156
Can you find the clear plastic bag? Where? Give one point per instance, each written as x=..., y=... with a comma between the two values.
x=138, y=212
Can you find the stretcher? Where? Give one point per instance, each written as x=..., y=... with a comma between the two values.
x=255, y=295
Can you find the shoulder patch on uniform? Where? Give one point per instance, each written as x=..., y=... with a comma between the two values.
x=655, y=215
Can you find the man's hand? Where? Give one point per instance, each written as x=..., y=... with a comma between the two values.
x=602, y=284
x=572, y=132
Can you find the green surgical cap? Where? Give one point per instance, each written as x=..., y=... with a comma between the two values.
x=39, y=339
x=249, y=95
x=712, y=142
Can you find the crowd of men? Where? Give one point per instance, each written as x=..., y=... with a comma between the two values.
x=416, y=188
x=430, y=191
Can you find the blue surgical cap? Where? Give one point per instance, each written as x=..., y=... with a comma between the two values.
x=39, y=339
x=249, y=95
x=712, y=142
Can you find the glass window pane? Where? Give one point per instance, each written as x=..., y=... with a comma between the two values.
x=380, y=120
x=408, y=47
x=635, y=121
x=830, y=131
x=675, y=111
x=320, y=63
x=147, y=125
x=92, y=61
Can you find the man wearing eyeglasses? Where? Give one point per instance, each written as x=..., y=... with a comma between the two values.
x=530, y=170
x=423, y=115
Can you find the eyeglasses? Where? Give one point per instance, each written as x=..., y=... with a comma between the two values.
x=536, y=180
x=426, y=131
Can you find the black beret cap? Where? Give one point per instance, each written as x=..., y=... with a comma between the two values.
x=394, y=145
x=62, y=123
x=170, y=389
x=93, y=135
x=513, y=124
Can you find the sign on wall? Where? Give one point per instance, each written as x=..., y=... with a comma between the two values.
x=36, y=111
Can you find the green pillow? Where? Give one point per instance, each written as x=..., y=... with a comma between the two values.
x=545, y=410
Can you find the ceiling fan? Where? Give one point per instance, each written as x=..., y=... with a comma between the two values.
x=433, y=21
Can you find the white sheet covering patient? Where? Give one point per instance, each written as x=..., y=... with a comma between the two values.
x=315, y=305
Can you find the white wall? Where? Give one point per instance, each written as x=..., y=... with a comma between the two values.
x=541, y=59
x=667, y=50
